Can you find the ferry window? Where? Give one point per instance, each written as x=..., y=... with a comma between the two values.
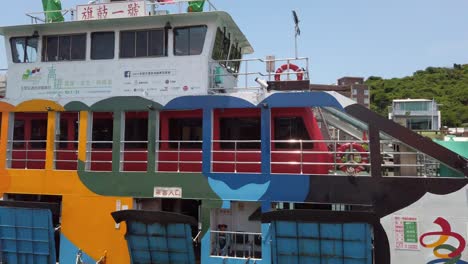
x=64, y=47
x=235, y=54
x=18, y=134
x=246, y=128
x=102, y=45
x=68, y=130
x=185, y=129
x=189, y=40
x=136, y=129
x=103, y=127
x=38, y=133
x=24, y=49
x=142, y=43
x=291, y=128
x=218, y=51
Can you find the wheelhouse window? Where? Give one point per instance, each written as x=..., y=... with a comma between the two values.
x=189, y=40
x=64, y=47
x=143, y=43
x=185, y=129
x=291, y=128
x=102, y=45
x=223, y=51
x=240, y=129
x=103, y=127
x=24, y=49
x=68, y=137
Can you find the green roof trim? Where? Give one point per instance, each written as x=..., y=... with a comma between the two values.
x=76, y=106
x=125, y=104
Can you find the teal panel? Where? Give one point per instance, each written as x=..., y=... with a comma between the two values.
x=160, y=243
x=342, y=243
x=26, y=236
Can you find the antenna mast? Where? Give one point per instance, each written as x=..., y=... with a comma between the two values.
x=297, y=30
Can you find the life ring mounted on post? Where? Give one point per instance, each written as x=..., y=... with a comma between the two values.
x=350, y=157
x=290, y=66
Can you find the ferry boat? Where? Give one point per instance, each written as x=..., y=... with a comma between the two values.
x=136, y=132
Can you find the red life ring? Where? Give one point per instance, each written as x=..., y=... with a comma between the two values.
x=284, y=67
x=343, y=158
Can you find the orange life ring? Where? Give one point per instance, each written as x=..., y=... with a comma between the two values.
x=284, y=67
x=343, y=158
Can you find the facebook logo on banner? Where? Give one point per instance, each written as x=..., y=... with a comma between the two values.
x=127, y=74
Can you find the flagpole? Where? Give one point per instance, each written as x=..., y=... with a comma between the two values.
x=295, y=41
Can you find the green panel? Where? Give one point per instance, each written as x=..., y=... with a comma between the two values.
x=125, y=104
x=116, y=141
x=141, y=184
x=76, y=106
x=151, y=142
x=459, y=147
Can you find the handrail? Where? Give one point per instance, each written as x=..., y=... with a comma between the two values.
x=249, y=76
x=236, y=244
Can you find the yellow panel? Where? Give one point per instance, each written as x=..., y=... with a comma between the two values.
x=88, y=224
x=39, y=105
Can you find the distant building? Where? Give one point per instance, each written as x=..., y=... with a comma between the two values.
x=352, y=87
x=416, y=114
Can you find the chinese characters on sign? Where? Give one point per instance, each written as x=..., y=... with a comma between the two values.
x=112, y=10
x=406, y=232
x=167, y=192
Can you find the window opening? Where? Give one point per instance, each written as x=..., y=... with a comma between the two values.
x=103, y=126
x=189, y=40
x=143, y=43
x=24, y=49
x=244, y=128
x=136, y=130
x=64, y=47
x=185, y=129
x=291, y=128
x=102, y=45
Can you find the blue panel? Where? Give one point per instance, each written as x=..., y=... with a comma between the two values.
x=319, y=243
x=157, y=243
x=26, y=236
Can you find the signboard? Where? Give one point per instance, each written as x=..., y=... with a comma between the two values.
x=111, y=10
x=167, y=192
x=406, y=232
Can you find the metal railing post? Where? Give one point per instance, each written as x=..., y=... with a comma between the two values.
x=178, y=156
x=302, y=153
x=235, y=156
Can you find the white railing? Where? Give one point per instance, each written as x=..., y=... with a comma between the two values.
x=401, y=160
x=179, y=155
x=96, y=148
x=236, y=244
x=153, y=8
x=29, y=155
x=66, y=158
x=133, y=155
x=254, y=68
x=342, y=157
x=236, y=158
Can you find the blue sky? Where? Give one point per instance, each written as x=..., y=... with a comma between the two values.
x=341, y=37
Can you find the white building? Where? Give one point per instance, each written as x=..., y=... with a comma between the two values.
x=416, y=114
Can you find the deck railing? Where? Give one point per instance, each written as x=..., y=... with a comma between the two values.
x=99, y=156
x=240, y=156
x=254, y=68
x=66, y=155
x=133, y=155
x=26, y=154
x=179, y=156
x=320, y=157
x=296, y=157
x=236, y=244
